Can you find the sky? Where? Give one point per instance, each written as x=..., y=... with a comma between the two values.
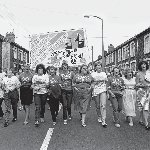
x=122, y=19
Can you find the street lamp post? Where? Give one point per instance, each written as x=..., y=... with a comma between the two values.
x=103, y=57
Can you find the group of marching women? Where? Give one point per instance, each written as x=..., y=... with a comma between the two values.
x=68, y=87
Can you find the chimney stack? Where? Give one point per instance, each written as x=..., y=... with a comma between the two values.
x=110, y=48
x=10, y=37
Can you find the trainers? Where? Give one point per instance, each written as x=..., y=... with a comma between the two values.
x=5, y=124
x=147, y=127
x=14, y=119
x=65, y=122
x=99, y=120
x=42, y=120
x=117, y=125
x=83, y=125
x=69, y=117
x=54, y=123
x=36, y=123
x=104, y=125
x=131, y=124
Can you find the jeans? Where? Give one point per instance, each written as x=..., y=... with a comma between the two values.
x=40, y=101
x=100, y=103
x=116, y=105
x=54, y=106
x=67, y=101
x=1, y=110
x=11, y=98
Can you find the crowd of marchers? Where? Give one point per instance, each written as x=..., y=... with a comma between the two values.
x=124, y=92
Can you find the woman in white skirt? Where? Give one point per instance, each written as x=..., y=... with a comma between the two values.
x=99, y=93
x=129, y=97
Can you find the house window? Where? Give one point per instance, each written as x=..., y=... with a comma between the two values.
x=132, y=49
x=21, y=55
x=146, y=44
x=127, y=52
x=15, y=52
x=119, y=55
x=123, y=53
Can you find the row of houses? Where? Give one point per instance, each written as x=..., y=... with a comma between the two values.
x=129, y=53
x=12, y=55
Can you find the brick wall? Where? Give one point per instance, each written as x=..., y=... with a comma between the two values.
x=0, y=53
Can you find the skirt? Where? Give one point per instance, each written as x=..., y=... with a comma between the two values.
x=26, y=95
x=82, y=98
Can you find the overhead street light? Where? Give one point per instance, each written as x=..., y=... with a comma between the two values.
x=103, y=57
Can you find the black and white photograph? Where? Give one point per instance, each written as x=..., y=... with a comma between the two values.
x=75, y=75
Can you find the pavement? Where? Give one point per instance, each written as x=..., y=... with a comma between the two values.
x=73, y=136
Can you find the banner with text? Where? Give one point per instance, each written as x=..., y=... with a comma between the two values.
x=53, y=48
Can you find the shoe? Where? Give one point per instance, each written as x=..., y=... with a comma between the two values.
x=99, y=120
x=117, y=125
x=147, y=127
x=65, y=122
x=83, y=125
x=141, y=123
x=5, y=124
x=104, y=125
x=69, y=117
x=131, y=124
x=26, y=122
x=42, y=120
x=54, y=123
x=20, y=108
x=36, y=124
x=14, y=119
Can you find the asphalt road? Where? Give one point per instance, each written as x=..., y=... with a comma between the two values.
x=73, y=136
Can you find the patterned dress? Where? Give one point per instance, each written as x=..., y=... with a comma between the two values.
x=82, y=92
x=143, y=96
x=129, y=97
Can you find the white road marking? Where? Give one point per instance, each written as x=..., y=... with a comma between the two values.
x=48, y=135
x=47, y=139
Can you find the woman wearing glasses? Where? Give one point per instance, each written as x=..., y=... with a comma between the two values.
x=82, y=91
x=129, y=97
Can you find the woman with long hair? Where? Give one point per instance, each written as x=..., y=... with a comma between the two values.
x=143, y=96
x=54, y=93
x=40, y=83
x=129, y=97
x=115, y=90
x=10, y=85
x=82, y=92
x=26, y=92
x=66, y=85
x=99, y=93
